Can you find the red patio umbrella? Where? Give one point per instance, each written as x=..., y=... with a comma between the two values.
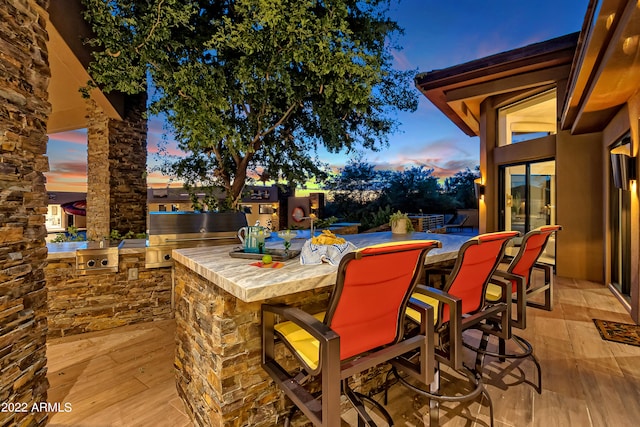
x=78, y=207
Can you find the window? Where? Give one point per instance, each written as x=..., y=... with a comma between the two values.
x=265, y=209
x=528, y=119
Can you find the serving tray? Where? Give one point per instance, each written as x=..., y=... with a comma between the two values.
x=276, y=254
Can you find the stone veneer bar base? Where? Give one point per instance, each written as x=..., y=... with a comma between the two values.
x=79, y=304
x=218, y=343
x=219, y=375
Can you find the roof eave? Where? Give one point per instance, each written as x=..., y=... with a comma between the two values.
x=435, y=84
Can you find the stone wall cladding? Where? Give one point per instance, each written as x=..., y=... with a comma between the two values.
x=117, y=164
x=98, y=173
x=216, y=331
x=128, y=167
x=24, y=110
x=79, y=304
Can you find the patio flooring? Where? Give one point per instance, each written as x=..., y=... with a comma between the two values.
x=124, y=377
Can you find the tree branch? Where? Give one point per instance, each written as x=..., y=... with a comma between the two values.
x=221, y=172
x=256, y=140
x=153, y=28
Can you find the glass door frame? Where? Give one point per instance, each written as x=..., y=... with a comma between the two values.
x=547, y=209
x=527, y=193
x=619, y=206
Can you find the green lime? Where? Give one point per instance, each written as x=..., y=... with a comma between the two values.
x=266, y=259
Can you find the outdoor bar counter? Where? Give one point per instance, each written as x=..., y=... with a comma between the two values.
x=218, y=342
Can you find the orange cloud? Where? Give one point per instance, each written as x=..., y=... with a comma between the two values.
x=57, y=182
x=155, y=179
x=78, y=136
x=69, y=169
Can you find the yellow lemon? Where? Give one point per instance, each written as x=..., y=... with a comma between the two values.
x=266, y=259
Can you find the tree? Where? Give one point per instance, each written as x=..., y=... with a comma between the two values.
x=256, y=84
x=461, y=187
x=414, y=189
x=357, y=185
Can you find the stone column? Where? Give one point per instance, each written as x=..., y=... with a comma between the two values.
x=24, y=110
x=128, y=167
x=98, y=188
x=116, y=171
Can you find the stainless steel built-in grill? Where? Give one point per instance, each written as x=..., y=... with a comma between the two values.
x=174, y=230
x=96, y=258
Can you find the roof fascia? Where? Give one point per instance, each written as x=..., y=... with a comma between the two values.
x=601, y=63
x=488, y=74
x=502, y=62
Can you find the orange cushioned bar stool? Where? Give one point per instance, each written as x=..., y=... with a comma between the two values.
x=460, y=305
x=521, y=287
x=362, y=327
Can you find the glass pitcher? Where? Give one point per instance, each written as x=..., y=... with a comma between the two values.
x=252, y=238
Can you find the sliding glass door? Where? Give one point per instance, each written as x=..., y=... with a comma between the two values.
x=620, y=205
x=515, y=197
x=528, y=198
x=620, y=229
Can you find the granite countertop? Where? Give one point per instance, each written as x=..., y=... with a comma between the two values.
x=250, y=283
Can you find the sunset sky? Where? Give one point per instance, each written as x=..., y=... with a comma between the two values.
x=438, y=34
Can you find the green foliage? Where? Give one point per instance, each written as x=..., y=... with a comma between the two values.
x=325, y=222
x=354, y=189
x=461, y=188
x=359, y=177
x=359, y=193
x=60, y=237
x=375, y=218
x=71, y=235
x=412, y=189
x=256, y=84
x=394, y=217
x=360, y=190
x=115, y=235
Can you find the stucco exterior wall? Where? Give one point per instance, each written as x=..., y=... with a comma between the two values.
x=580, y=197
x=579, y=185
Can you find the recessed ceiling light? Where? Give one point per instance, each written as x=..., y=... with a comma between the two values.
x=610, y=19
x=630, y=45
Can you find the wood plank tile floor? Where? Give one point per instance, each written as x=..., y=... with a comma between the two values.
x=124, y=377
x=119, y=377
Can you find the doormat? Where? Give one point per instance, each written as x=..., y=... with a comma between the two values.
x=624, y=333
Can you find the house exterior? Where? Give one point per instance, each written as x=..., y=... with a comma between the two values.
x=259, y=203
x=549, y=116
x=65, y=209
x=588, y=81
